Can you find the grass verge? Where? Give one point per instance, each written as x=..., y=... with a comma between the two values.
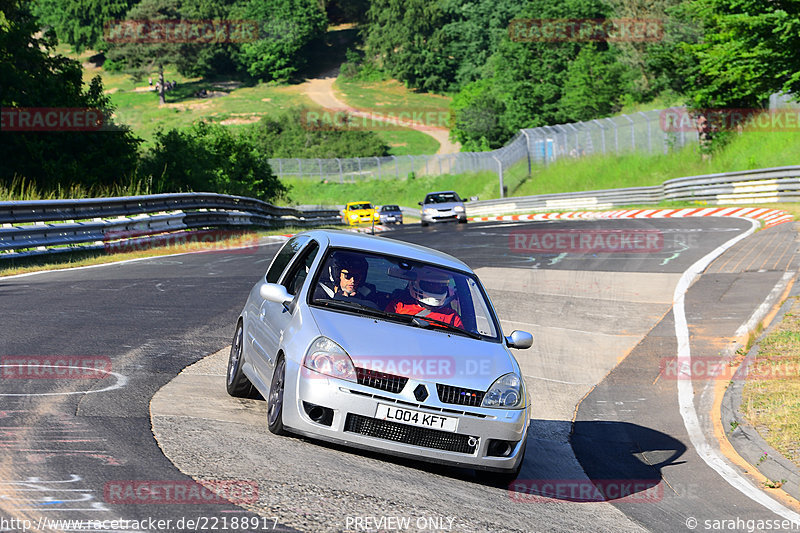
x=405, y=192
x=771, y=398
x=749, y=151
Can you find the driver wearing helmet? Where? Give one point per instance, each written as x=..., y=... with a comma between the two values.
x=427, y=297
x=346, y=274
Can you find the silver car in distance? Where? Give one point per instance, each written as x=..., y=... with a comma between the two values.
x=386, y=346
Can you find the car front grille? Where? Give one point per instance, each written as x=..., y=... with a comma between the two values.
x=379, y=380
x=416, y=436
x=459, y=395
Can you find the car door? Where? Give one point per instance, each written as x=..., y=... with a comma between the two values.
x=254, y=324
x=275, y=316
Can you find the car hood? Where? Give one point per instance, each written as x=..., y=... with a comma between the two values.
x=416, y=353
x=446, y=205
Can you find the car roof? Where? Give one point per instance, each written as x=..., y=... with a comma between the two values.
x=441, y=192
x=362, y=202
x=371, y=243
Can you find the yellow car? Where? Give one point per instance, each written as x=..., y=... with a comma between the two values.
x=360, y=213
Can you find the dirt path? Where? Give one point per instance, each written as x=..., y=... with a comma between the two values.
x=320, y=90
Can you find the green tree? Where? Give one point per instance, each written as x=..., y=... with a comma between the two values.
x=213, y=58
x=749, y=51
x=209, y=158
x=143, y=55
x=300, y=133
x=403, y=37
x=80, y=23
x=643, y=57
x=594, y=85
x=473, y=32
x=33, y=75
x=287, y=28
x=478, y=118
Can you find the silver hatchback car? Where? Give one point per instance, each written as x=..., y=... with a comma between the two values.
x=386, y=346
x=442, y=206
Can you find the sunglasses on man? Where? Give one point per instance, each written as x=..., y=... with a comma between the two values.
x=358, y=276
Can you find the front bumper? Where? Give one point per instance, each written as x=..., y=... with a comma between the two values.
x=444, y=217
x=355, y=405
x=362, y=219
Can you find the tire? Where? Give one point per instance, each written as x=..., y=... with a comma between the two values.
x=462, y=220
x=275, y=398
x=424, y=224
x=236, y=382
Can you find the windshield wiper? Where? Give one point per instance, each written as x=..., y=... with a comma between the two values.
x=421, y=322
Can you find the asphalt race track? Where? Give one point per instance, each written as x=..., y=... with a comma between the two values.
x=605, y=337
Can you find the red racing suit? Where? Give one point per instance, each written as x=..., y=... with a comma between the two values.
x=409, y=306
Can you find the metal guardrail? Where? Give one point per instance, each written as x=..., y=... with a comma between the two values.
x=50, y=226
x=768, y=185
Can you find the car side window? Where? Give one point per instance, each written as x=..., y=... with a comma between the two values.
x=295, y=279
x=284, y=257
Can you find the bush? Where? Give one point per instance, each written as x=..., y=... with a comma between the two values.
x=209, y=157
x=304, y=133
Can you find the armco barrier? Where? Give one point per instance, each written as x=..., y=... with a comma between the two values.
x=766, y=185
x=50, y=226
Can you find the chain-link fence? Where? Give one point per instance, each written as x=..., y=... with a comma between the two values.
x=643, y=131
x=783, y=101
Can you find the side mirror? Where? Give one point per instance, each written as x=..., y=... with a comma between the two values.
x=420, y=203
x=273, y=292
x=520, y=340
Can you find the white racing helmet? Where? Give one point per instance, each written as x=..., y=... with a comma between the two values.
x=431, y=287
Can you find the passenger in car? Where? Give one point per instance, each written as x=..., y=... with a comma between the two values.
x=428, y=296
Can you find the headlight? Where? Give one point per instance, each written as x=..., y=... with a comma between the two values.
x=505, y=393
x=327, y=357
x=430, y=211
x=353, y=216
x=458, y=209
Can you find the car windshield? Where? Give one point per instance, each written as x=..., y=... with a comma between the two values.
x=365, y=205
x=408, y=292
x=390, y=208
x=442, y=198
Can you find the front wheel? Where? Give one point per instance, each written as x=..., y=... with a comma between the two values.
x=275, y=399
x=237, y=383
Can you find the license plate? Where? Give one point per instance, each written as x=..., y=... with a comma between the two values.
x=416, y=418
x=390, y=218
